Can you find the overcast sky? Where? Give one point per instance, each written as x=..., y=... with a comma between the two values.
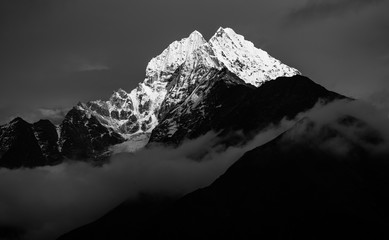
x=54, y=53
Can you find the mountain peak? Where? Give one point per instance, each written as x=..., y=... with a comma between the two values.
x=221, y=31
x=229, y=31
x=230, y=34
x=172, y=76
x=173, y=56
x=196, y=34
x=240, y=56
x=17, y=121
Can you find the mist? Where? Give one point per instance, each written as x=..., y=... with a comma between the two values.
x=341, y=127
x=45, y=202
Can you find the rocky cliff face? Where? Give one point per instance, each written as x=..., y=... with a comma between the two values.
x=83, y=136
x=46, y=134
x=28, y=145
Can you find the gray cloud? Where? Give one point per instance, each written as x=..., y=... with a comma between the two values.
x=55, y=115
x=48, y=201
x=93, y=67
x=320, y=9
x=380, y=99
x=343, y=126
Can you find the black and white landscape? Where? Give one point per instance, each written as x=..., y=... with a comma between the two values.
x=220, y=140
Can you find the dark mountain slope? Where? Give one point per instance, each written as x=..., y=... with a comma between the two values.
x=289, y=188
x=228, y=105
x=19, y=147
x=84, y=137
x=47, y=136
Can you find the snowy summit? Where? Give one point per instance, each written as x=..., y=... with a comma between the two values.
x=173, y=75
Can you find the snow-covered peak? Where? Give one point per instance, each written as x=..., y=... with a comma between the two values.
x=172, y=76
x=240, y=56
x=229, y=35
x=161, y=67
x=196, y=34
x=221, y=31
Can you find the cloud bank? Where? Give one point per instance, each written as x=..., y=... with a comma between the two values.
x=45, y=202
x=56, y=115
x=344, y=127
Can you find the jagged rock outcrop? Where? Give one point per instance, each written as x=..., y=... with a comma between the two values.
x=84, y=137
x=47, y=136
x=27, y=145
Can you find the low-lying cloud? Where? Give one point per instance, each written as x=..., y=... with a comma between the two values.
x=56, y=115
x=342, y=127
x=48, y=201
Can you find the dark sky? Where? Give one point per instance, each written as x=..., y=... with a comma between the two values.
x=54, y=53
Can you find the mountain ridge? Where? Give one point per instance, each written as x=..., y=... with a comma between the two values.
x=230, y=106
x=172, y=75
